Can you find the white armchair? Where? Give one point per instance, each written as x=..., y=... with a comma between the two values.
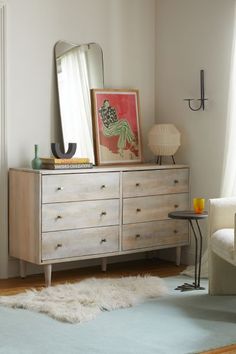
x=222, y=246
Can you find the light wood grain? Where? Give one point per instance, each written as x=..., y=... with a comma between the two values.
x=78, y=205
x=48, y=274
x=143, y=183
x=76, y=187
x=25, y=215
x=154, y=234
x=229, y=349
x=64, y=216
x=152, y=208
x=111, y=168
x=75, y=243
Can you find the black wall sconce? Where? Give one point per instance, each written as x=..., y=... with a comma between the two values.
x=202, y=99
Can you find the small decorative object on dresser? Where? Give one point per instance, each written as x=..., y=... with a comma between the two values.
x=36, y=162
x=68, y=215
x=50, y=163
x=164, y=140
x=56, y=150
x=198, y=205
x=116, y=126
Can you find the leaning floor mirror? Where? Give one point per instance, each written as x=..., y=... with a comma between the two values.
x=79, y=69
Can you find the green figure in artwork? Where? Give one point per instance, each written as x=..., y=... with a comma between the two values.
x=112, y=126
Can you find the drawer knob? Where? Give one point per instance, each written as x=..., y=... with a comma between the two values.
x=58, y=245
x=137, y=184
x=103, y=186
x=103, y=240
x=138, y=210
x=137, y=236
x=175, y=231
x=59, y=217
x=103, y=213
x=60, y=188
x=176, y=206
x=176, y=181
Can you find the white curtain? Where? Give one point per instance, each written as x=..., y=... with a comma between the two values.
x=229, y=170
x=75, y=104
x=228, y=185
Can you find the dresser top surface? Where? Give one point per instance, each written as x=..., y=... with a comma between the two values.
x=111, y=168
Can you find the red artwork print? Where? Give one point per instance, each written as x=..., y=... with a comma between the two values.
x=123, y=107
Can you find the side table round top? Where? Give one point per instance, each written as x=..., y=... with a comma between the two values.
x=187, y=215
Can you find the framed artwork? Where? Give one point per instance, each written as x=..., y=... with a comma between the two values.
x=116, y=126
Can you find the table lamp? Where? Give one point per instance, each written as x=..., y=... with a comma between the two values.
x=164, y=140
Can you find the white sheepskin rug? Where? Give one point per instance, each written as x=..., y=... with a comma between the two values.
x=84, y=300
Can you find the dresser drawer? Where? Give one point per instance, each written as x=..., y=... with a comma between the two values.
x=82, y=242
x=155, y=182
x=65, y=216
x=152, y=208
x=76, y=187
x=153, y=234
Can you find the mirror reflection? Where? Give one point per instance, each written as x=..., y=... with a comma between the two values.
x=79, y=69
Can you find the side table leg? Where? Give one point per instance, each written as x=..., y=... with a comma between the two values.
x=196, y=253
x=200, y=254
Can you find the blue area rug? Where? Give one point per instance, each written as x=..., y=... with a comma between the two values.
x=179, y=323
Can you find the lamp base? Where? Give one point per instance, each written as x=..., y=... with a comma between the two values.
x=159, y=159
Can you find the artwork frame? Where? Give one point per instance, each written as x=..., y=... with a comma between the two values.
x=116, y=126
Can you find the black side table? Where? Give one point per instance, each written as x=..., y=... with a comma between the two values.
x=191, y=216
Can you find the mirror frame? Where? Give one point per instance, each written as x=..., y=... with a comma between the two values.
x=62, y=47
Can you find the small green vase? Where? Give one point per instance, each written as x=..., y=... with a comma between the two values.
x=36, y=162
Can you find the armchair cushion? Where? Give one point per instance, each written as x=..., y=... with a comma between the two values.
x=221, y=214
x=222, y=246
x=222, y=243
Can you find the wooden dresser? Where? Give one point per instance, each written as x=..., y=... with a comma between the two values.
x=68, y=215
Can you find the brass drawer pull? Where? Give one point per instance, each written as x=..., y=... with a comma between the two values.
x=103, y=213
x=103, y=186
x=103, y=240
x=138, y=210
x=137, y=236
x=176, y=206
x=175, y=231
x=60, y=188
x=176, y=181
x=137, y=184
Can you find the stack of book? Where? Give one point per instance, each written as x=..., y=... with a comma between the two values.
x=51, y=163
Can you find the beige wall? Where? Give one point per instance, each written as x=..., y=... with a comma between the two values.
x=193, y=35
x=125, y=29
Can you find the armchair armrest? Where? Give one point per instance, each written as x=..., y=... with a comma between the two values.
x=221, y=214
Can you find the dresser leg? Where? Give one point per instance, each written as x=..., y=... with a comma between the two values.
x=22, y=268
x=48, y=274
x=178, y=255
x=104, y=264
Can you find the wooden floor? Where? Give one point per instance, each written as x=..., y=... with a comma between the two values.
x=151, y=266
x=148, y=266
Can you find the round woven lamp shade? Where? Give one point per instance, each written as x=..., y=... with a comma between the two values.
x=164, y=139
